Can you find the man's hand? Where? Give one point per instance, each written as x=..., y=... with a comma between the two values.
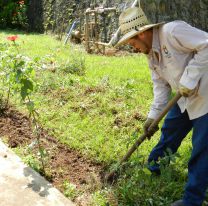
x=147, y=130
x=186, y=92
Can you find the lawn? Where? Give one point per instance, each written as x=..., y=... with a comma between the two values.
x=94, y=104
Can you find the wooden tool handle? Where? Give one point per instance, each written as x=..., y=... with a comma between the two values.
x=138, y=142
x=170, y=104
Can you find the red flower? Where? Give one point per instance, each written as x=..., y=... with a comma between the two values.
x=21, y=2
x=12, y=38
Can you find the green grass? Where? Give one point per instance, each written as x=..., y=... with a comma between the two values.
x=95, y=114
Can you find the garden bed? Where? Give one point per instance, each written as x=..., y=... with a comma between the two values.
x=64, y=165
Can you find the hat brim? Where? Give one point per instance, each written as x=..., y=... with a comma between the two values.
x=133, y=33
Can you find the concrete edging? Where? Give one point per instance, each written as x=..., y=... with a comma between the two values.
x=22, y=186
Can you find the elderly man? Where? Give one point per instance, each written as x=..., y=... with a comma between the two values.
x=178, y=60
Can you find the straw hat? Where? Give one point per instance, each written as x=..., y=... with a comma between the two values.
x=133, y=21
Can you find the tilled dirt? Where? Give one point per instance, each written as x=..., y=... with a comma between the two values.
x=63, y=164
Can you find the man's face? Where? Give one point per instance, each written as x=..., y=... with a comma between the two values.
x=142, y=42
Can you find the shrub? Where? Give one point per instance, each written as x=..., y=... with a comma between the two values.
x=13, y=14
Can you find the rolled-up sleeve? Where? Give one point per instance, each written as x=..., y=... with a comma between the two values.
x=191, y=39
x=161, y=90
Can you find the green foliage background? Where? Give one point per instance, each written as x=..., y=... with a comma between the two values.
x=13, y=14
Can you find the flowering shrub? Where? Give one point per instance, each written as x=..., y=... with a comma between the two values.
x=13, y=14
x=17, y=71
x=17, y=76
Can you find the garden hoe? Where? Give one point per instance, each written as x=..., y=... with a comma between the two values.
x=113, y=174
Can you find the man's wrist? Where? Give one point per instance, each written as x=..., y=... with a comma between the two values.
x=186, y=92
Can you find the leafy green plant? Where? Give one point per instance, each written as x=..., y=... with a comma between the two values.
x=69, y=190
x=13, y=14
x=18, y=76
x=99, y=199
x=32, y=161
x=74, y=66
x=18, y=73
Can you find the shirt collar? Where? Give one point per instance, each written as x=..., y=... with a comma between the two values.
x=155, y=47
x=156, y=41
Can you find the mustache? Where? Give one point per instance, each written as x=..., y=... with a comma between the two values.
x=136, y=50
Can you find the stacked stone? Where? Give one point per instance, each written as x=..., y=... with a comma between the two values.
x=53, y=14
x=194, y=12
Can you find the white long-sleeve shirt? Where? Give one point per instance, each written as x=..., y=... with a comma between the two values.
x=179, y=56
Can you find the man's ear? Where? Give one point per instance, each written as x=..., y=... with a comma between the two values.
x=141, y=35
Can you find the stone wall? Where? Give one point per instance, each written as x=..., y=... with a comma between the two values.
x=55, y=15
x=195, y=12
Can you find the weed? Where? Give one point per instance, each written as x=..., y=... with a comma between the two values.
x=70, y=190
x=33, y=162
x=99, y=199
x=74, y=66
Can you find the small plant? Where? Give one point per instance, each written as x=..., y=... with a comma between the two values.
x=99, y=199
x=70, y=190
x=75, y=66
x=18, y=76
x=32, y=161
